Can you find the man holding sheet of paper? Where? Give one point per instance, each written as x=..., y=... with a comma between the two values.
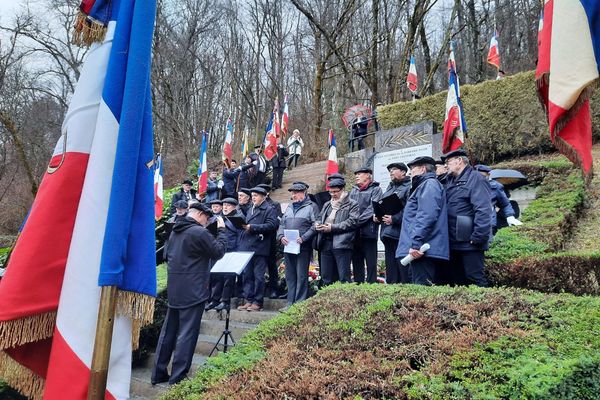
x=295, y=233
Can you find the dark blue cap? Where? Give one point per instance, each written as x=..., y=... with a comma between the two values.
x=337, y=182
x=455, y=153
x=230, y=200
x=258, y=190
x=482, y=168
x=423, y=160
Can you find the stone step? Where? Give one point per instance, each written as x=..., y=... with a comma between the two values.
x=216, y=327
x=240, y=316
x=268, y=304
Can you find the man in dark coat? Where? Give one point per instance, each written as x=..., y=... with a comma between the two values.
x=425, y=220
x=469, y=219
x=192, y=249
x=244, y=198
x=300, y=215
x=262, y=165
x=336, y=227
x=279, y=163
x=230, y=178
x=261, y=224
x=222, y=285
x=360, y=126
x=185, y=193
x=365, y=192
x=273, y=284
x=248, y=175
x=390, y=224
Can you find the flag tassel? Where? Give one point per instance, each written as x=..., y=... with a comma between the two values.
x=140, y=308
x=88, y=30
x=28, y=329
x=21, y=378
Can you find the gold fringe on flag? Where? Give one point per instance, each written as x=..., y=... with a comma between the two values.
x=87, y=30
x=28, y=329
x=20, y=378
x=140, y=308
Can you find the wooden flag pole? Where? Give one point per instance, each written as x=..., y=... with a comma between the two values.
x=102, y=343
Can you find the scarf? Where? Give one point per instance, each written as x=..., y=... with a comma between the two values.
x=335, y=206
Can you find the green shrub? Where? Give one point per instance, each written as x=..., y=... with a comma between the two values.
x=504, y=117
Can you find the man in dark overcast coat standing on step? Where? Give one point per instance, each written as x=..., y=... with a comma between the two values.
x=192, y=250
x=365, y=192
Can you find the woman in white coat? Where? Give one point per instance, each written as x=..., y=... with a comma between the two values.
x=295, y=145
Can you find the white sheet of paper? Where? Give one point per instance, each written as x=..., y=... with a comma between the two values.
x=233, y=262
x=291, y=235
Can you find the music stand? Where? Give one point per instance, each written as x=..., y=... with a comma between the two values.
x=232, y=264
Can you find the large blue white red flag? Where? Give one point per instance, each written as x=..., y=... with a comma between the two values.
x=91, y=224
x=273, y=132
x=493, y=56
x=203, y=165
x=568, y=68
x=332, y=163
x=284, y=120
x=412, y=80
x=227, y=146
x=455, y=126
x=158, y=187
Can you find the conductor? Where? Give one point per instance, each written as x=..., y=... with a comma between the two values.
x=191, y=249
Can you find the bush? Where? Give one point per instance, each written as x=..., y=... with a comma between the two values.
x=406, y=341
x=504, y=117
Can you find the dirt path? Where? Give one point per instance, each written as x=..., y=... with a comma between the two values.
x=585, y=235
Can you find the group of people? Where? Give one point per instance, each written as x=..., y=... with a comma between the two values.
x=449, y=206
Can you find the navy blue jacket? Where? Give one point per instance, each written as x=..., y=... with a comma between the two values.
x=425, y=219
x=500, y=200
x=400, y=189
x=230, y=177
x=212, y=190
x=231, y=232
x=469, y=196
x=181, y=195
x=367, y=228
x=263, y=224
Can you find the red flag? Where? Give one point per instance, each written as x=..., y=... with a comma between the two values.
x=493, y=56
x=284, y=120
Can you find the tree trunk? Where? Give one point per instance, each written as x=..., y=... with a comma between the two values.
x=10, y=126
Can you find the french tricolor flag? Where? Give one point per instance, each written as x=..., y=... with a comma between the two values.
x=202, y=165
x=227, y=149
x=284, y=119
x=493, y=56
x=412, y=79
x=91, y=225
x=273, y=132
x=567, y=70
x=332, y=163
x=455, y=126
x=158, y=187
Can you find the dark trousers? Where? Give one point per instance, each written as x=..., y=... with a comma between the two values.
x=178, y=337
x=334, y=262
x=296, y=275
x=365, y=250
x=394, y=271
x=277, y=177
x=254, y=280
x=423, y=271
x=467, y=268
x=272, y=268
x=221, y=287
x=293, y=159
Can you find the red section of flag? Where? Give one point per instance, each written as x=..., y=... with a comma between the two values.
x=574, y=139
x=284, y=120
x=450, y=141
x=493, y=56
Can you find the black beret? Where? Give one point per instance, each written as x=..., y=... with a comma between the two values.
x=257, y=146
x=363, y=169
x=297, y=187
x=439, y=162
x=264, y=186
x=181, y=204
x=186, y=182
x=258, y=190
x=482, y=168
x=335, y=176
x=301, y=183
x=246, y=191
x=337, y=182
x=455, y=153
x=399, y=165
x=202, y=208
x=421, y=161
x=230, y=200
x=216, y=201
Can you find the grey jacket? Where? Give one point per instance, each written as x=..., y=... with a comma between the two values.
x=368, y=229
x=303, y=219
x=344, y=225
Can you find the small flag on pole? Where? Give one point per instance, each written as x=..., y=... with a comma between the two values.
x=245, y=143
x=493, y=56
x=227, y=149
x=455, y=126
x=158, y=187
x=412, y=79
x=202, y=165
x=332, y=163
x=284, y=120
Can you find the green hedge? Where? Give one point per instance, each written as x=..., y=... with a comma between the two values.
x=415, y=342
x=504, y=118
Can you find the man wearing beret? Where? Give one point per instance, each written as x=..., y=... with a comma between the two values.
x=365, y=192
x=390, y=224
x=425, y=220
x=301, y=216
x=216, y=206
x=185, y=193
x=336, y=227
x=272, y=271
x=244, y=200
x=261, y=224
x=469, y=219
x=499, y=200
x=230, y=178
x=192, y=249
x=222, y=285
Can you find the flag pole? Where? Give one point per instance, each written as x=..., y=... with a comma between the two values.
x=102, y=343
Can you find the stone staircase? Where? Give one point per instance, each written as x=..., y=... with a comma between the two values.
x=213, y=324
x=313, y=174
